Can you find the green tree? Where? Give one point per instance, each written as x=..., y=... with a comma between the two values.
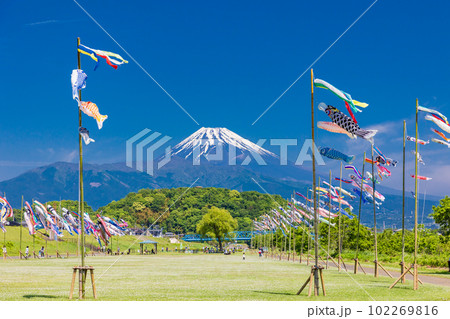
x=216, y=223
x=187, y=207
x=441, y=215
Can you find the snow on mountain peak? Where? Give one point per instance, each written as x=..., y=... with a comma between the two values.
x=207, y=138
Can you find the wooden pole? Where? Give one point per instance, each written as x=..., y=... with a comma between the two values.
x=415, y=280
x=375, y=273
x=402, y=263
x=81, y=193
x=355, y=270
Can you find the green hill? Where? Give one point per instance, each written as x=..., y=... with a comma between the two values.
x=179, y=210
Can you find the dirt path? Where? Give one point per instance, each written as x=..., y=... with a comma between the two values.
x=425, y=278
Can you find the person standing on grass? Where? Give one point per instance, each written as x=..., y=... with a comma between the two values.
x=4, y=251
x=448, y=262
x=243, y=255
x=27, y=251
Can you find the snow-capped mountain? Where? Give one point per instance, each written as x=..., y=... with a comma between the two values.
x=208, y=140
x=107, y=182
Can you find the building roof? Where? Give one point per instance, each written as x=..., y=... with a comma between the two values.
x=148, y=242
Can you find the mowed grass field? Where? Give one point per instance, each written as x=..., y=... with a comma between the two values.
x=197, y=277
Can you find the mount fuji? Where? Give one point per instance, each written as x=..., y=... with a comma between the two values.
x=219, y=157
x=215, y=157
x=209, y=140
x=210, y=157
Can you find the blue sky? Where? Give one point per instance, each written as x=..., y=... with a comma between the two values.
x=225, y=63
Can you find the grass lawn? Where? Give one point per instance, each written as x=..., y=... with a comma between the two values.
x=171, y=276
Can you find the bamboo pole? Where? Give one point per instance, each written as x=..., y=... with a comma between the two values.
x=4, y=233
x=265, y=242
x=301, y=244
x=251, y=237
x=276, y=242
x=295, y=229
x=402, y=264
x=329, y=225
x=272, y=242
x=258, y=242
x=57, y=241
x=81, y=193
x=293, y=239
x=262, y=241
x=111, y=242
x=339, y=220
x=318, y=226
x=359, y=216
x=375, y=273
x=316, y=268
x=290, y=238
x=415, y=280
x=21, y=220
x=316, y=217
x=308, y=233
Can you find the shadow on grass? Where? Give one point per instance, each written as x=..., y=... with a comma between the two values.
x=39, y=296
x=274, y=293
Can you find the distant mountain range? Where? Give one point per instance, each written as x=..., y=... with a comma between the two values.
x=214, y=149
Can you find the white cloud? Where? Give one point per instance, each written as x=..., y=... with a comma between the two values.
x=69, y=157
x=386, y=127
x=42, y=22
